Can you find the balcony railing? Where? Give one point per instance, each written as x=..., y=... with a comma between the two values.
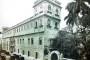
x=57, y=15
x=48, y=26
x=56, y=27
x=41, y=26
x=49, y=12
x=35, y=27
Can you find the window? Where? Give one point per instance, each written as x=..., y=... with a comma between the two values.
x=31, y=25
x=48, y=23
x=40, y=41
x=35, y=24
x=27, y=26
x=49, y=7
x=17, y=30
x=28, y=40
x=23, y=52
x=41, y=23
x=56, y=11
x=28, y=53
x=41, y=6
x=23, y=41
x=56, y=25
x=36, y=55
x=18, y=50
x=24, y=27
x=20, y=41
x=32, y=41
x=36, y=9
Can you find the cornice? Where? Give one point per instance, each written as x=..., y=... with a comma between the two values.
x=52, y=2
x=31, y=19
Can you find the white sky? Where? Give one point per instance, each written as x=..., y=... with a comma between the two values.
x=15, y=11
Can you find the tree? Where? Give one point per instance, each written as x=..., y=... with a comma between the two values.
x=65, y=42
x=79, y=14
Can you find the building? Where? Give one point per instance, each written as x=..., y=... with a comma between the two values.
x=0, y=41
x=5, y=43
x=32, y=37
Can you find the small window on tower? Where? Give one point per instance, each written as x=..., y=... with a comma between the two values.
x=41, y=6
x=36, y=9
x=48, y=23
x=57, y=13
x=49, y=7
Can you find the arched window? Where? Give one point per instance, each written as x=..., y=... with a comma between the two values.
x=49, y=7
x=56, y=24
x=36, y=55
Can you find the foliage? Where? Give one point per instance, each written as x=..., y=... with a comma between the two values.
x=79, y=14
x=65, y=42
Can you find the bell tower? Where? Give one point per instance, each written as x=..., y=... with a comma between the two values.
x=47, y=6
x=48, y=12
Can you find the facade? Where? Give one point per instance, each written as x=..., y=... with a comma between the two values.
x=31, y=37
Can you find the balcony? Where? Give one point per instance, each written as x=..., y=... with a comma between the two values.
x=36, y=27
x=41, y=12
x=57, y=15
x=49, y=12
x=49, y=26
x=41, y=26
x=55, y=27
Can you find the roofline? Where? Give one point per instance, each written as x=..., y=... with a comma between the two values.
x=27, y=20
x=48, y=1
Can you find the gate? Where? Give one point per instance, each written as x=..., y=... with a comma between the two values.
x=55, y=55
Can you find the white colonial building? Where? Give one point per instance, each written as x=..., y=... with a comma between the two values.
x=31, y=37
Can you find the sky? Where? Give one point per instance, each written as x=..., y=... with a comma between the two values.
x=14, y=11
